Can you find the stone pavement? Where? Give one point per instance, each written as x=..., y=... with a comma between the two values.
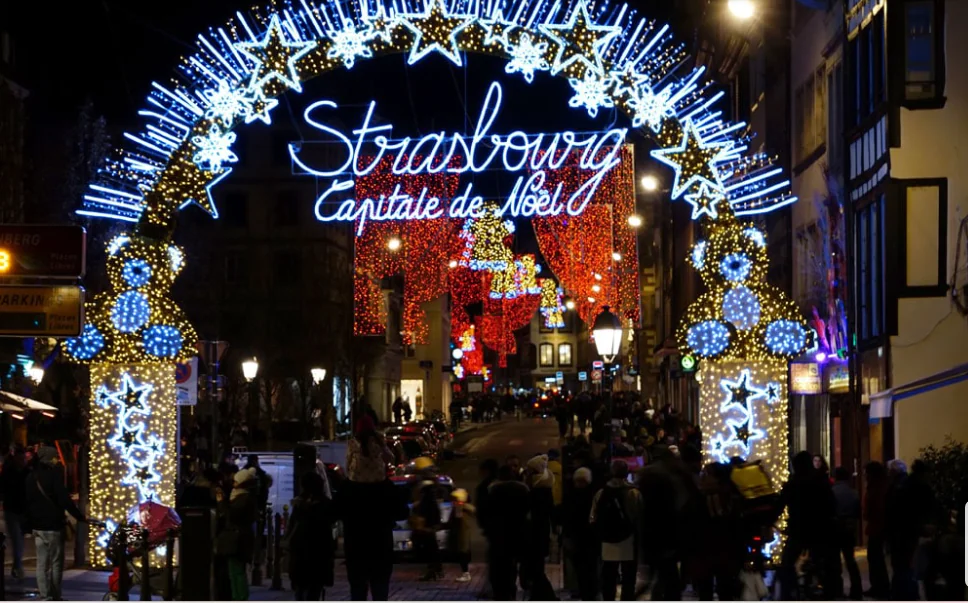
x=89, y=585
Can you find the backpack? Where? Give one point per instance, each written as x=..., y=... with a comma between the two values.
x=611, y=519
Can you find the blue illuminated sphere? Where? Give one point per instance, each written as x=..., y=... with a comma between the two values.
x=736, y=267
x=87, y=345
x=163, y=341
x=130, y=312
x=741, y=307
x=136, y=272
x=708, y=338
x=785, y=337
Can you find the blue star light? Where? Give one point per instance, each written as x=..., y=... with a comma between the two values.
x=694, y=157
x=435, y=30
x=123, y=399
x=704, y=200
x=275, y=57
x=496, y=29
x=580, y=40
x=740, y=395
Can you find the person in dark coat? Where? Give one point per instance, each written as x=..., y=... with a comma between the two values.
x=369, y=511
x=310, y=538
x=13, y=483
x=541, y=498
x=508, y=529
x=848, y=514
x=47, y=501
x=581, y=541
x=875, y=515
x=810, y=502
x=910, y=507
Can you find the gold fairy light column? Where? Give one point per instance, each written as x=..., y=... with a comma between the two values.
x=134, y=336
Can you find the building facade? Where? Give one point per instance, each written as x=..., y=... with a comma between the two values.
x=905, y=114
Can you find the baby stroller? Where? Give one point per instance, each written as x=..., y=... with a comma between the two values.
x=157, y=520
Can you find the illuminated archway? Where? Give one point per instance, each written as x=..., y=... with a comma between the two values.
x=610, y=57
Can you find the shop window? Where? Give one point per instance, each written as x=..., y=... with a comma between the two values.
x=923, y=50
x=564, y=354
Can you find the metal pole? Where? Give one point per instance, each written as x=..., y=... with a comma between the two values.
x=259, y=552
x=124, y=582
x=170, y=566
x=607, y=386
x=3, y=562
x=253, y=410
x=277, y=554
x=145, y=568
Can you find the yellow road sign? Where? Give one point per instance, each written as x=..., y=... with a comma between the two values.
x=30, y=311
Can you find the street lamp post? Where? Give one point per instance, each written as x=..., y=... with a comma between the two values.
x=319, y=375
x=607, y=330
x=250, y=369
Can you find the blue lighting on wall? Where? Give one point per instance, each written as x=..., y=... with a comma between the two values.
x=136, y=272
x=736, y=267
x=708, y=338
x=785, y=337
x=87, y=345
x=741, y=307
x=130, y=312
x=163, y=341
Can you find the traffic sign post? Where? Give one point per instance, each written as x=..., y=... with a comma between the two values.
x=583, y=376
x=42, y=251
x=597, y=375
x=39, y=310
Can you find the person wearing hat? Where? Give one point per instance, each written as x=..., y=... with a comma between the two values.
x=461, y=526
x=47, y=502
x=236, y=540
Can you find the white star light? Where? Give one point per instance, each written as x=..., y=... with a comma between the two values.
x=649, y=108
x=214, y=149
x=349, y=44
x=259, y=108
x=439, y=17
x=625, y=83
x=580, y=24
x=293, y=50
x=380, y=24
x=527, y=57
x=591, y=92
x=226, y=102
x=496, y=29
x=693, y=143
x=699, y=207
x=207, y=204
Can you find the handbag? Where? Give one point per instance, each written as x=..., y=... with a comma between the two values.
x=70, y=523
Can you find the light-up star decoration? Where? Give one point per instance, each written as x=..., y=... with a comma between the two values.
x=496, y=29
x=704, y=200
x=275, y=57
x=743, y=432
x=138, y=450
x=694, y=161
x=196, y=189
x=580, y=41
x=435, y=30
x=259, y=108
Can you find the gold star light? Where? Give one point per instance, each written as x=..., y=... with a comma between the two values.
x=435, y=30
x=275, y=57
x=183, y=184
x=694, y=161
x=580, y=41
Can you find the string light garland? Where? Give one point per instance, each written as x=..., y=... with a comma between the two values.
x=133, y=433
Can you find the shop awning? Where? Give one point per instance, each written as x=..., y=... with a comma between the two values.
x=882, y=403
x=14, y=404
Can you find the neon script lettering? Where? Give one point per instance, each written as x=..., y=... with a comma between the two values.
x=456, y=153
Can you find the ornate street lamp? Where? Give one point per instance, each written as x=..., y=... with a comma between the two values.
x=607, y=330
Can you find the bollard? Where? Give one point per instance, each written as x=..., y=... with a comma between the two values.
x=259, y=552
x=170, y=566
x=3, y=562
x=270, y=542
x=277, y=554
x=124, y=579
x=145, y=568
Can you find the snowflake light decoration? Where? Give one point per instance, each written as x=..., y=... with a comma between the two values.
x=527, y=56
x=214, y=149
x=349, y=44
x=591, y=92
x=226, y=102
x=650, y=108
